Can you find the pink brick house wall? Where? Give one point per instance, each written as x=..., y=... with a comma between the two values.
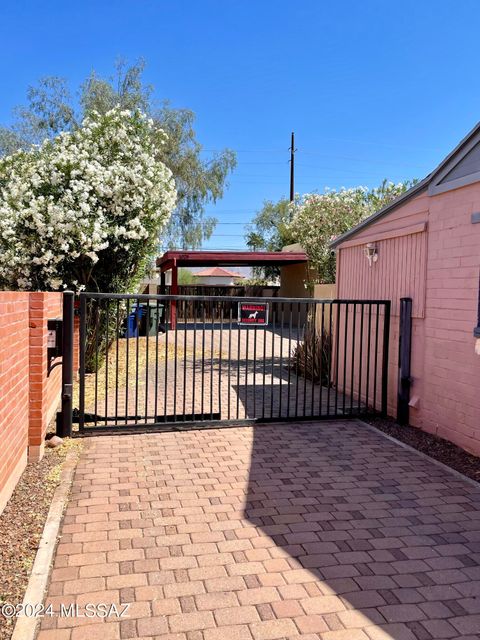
x=29, y=397
x=452, y=369
x=429, y=250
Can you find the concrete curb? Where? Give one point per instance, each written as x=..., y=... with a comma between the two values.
x=26, y=627
x=437, y=463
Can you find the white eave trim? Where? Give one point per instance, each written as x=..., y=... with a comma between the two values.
x=435, y=187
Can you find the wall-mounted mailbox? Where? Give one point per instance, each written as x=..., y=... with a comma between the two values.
x=54, y=338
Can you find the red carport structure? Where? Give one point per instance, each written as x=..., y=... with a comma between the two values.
x=172, y=260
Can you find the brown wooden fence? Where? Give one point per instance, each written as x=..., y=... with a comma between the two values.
x=250, y=291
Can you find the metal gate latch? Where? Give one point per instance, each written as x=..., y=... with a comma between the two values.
x=67, y=390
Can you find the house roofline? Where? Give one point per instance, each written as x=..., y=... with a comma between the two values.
x=405, y=197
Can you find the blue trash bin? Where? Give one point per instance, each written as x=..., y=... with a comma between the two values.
x=134, y=321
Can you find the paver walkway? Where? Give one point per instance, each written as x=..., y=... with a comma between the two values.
x=323, y=531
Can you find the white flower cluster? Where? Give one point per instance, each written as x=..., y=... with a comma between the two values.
x=81, y=197
x=318, y=218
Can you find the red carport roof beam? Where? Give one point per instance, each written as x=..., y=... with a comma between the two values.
x=229, y=258
x=174, y=259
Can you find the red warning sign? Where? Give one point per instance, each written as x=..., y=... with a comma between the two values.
x=253, y=313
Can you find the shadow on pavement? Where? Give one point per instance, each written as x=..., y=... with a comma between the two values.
x=387, y=538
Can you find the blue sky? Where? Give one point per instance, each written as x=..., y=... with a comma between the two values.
x=372, y=89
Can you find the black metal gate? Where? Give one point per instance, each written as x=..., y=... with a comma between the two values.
x=177, y=361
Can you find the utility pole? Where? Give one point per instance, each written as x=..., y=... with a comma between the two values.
x=292, y=168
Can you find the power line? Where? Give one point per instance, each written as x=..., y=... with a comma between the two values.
x=249, y=163
x=265, y=150
x=230, y=211
x=324, y=180
x=391, y=163
x=322, y=170
x=224, y=235
x=309, y=150
x=252, y=212
x=364, y=160
x=218, y=224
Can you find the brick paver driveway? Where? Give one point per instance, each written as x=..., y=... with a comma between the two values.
x=316, y=531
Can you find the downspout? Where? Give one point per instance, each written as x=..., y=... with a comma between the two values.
x=404, y=361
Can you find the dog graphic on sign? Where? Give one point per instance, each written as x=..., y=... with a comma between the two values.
x=255, y=313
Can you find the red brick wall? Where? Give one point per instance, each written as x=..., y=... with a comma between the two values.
x=14, y=395
x=29, y=397
x=44, y=388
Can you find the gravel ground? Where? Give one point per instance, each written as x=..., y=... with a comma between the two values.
x=21, y=525
x=432, y=446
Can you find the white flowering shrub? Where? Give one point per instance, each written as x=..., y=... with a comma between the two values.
x=319, y=218
x=85, y=209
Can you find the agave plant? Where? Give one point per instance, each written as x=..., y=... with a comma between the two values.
x=312, y=357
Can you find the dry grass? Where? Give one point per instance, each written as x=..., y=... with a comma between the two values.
x=126, y=352
x=98, y=385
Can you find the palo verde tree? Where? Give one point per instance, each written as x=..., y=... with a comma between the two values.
x=51, y=110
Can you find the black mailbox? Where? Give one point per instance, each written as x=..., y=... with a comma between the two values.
x=54, y=338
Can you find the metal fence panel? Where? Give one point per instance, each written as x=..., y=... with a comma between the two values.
x=172, y=361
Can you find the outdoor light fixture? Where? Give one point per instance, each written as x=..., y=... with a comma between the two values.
x=371, y=253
